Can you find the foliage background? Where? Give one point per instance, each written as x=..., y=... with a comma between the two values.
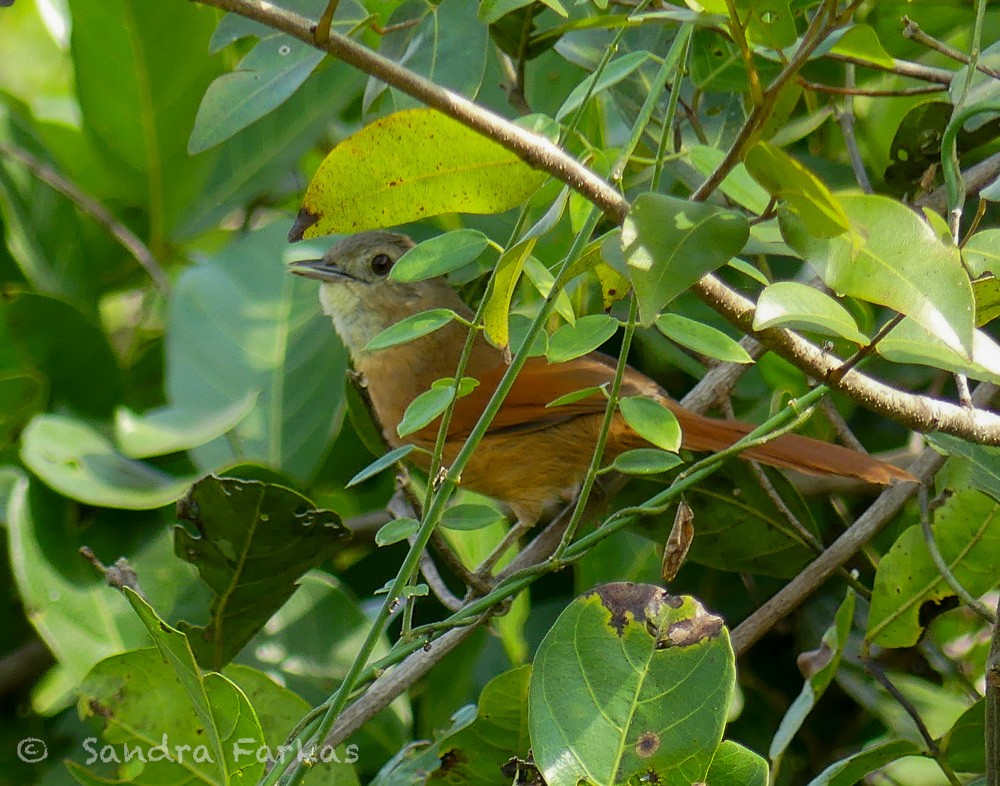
x=243, y=370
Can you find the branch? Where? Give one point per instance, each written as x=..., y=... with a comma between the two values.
x=128, y=239
x=530, y=147
x=912, y=31
x=913, y=411
x=889, y=502
x=993, y=707
x=901, y=67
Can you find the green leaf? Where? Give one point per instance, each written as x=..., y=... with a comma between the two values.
x=966, y=529
x=820, y=667
x=899, y=263
x=670, y=243
x=498, y=733
x=572, y=341
x=984, y=461
x=851, y=770
x=796, y=306
x=471, y=515
x=81, y=619
x=443, y=42
x=702, y=338
x=738, y=185
x=613, y=73
x=395, y=531
x=981, y=252
x=69, y=349
x=411, y=165
x=21, y=395
x=785, y=178
x=140, y=127
x=412, y=327
x=264, y=79
x=987, y=293
x=381, y=463
x=963, y=746
x=770, y=23
x=239, y=322
x=279, y=711
x=861, y=40
x=223, y=712
x=254, y=540
x=170, y=429
x=747, y=531
x=593, y=705
x=576, y=395
x=440, y=255
x=652, y=421
x=645, y=461
x=910, y=343
x=157, y=697
x=735, y=765
x=543, y=280
x=257, y=160
x=496, y=319
x=425, y=409
x=81, y=464
x=308, y=657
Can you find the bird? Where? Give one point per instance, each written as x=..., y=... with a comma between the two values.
x=532, y=456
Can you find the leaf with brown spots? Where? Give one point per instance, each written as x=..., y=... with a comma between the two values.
x=630, y=681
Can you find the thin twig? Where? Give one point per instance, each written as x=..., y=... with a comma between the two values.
x=846, y=119
x=126, y=237
x=437, y=585
x=993, y=707
x=869, y=91
x=835, y=419
x=942, y=566
x=912, y=31
x=902, y=67
x=454, y=563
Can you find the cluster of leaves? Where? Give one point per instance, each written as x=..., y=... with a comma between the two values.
x=205, y=387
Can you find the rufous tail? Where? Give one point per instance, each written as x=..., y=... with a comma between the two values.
x=788, y=451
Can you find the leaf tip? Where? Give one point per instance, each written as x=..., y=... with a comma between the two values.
x=305, y=219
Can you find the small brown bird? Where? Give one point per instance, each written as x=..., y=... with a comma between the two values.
x=531, y=455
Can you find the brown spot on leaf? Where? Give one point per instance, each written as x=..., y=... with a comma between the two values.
x=647, y=745
x=622, y=598
x=683, y=633
x=99, y=709
x=303, y=221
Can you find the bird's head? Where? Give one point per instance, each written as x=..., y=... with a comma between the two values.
x=359, y=295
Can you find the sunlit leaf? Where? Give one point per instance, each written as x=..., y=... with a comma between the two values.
x=410, y=165
x=893, y=258
x=78, y=462
x=652, y=421
x=796, y=306
x=440, y=255
x=670, y=243
x=787, y=179
x=411, y=327
x=572, y=341
x=701, y=338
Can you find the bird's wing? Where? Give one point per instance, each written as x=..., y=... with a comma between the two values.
x=538, y=384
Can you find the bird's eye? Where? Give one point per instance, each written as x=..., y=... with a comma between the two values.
x=381, y=264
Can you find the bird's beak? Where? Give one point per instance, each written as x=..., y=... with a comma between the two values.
x=319, y=269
